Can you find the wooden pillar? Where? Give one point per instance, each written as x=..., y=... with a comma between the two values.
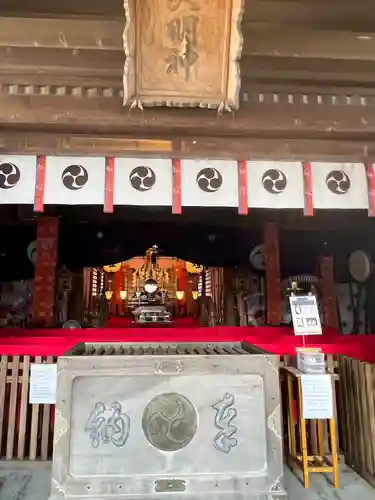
x=230, y=311
x=87, y=282
x=76, y=299
x=188, y=296
x=45, y=271
x=274, y=302
x=327, y=286
x=119, y=285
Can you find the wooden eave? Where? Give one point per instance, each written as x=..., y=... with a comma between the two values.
x=308, y=84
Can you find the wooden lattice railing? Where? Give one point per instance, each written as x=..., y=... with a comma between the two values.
x=357, y=415
x=26, y=430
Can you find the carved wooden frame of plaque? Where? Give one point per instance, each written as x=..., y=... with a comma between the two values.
x=162, y=70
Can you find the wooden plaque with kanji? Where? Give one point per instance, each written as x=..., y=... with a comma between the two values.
x=182, y=53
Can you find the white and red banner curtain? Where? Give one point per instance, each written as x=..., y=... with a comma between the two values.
x=245, y=185
x=209, y=183
x=17, y=179
x=145, y=182
x=74, y=181
x=275, y=184
x=339, y=185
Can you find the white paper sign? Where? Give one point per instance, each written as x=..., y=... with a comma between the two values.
x=43, y=382
x=317, y=397
x=305, y=315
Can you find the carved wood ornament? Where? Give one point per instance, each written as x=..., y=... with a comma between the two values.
x=183, y=53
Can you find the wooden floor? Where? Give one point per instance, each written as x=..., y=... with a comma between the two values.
x=31, y=481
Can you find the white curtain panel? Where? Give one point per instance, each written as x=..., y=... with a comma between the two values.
x=74, y=181
x=143, y=181
x=209, y=183
x=17, y=179
x=339, y=186
x=275, y=184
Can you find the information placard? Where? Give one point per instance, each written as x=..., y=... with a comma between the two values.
x=43, y=382
x=305, y=315
x=317, y=397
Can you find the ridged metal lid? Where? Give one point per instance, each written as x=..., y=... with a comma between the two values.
x=164, y=349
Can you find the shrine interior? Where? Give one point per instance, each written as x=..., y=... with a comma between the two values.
x=183, y=182
x=228, y=250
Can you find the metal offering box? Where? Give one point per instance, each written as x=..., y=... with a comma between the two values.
x=171, y=421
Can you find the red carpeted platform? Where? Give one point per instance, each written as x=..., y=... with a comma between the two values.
x=119, y=322
x=279, y=340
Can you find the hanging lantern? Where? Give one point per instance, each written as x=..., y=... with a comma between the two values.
x=123, y=294
x=195, y=294
x=180, y=294
x=194, y=268
x=108, y=294
x=112, y=268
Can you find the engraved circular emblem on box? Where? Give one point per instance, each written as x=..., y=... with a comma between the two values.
x=169, y=421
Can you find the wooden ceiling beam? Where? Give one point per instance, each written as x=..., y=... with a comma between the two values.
x=101, y=114
x=347, y=15
x=259, y=40
x=59, y=62
x=269, y=148
x=284, y=148
x=58, y=67
x=44, y=8
x=61, y=33
x=318, y=14
x=321, y=71
x=301, y=43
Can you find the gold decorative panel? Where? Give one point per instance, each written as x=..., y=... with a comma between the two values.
x=182, y=53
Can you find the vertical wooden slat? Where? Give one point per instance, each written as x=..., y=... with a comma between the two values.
x=24, y=407
x=370, y=389
x=46, y=425
x=358, y=413
x=34, y=425
x=364, y=396
x=3, y=385
x=12, y=407
x=353, y=457
x=357, y=387
x=343, y=416
x=331, y=369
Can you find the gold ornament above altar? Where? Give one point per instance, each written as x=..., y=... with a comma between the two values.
x=151, y=271
x=194, y=268
x=112, y=268
x=183, y=53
